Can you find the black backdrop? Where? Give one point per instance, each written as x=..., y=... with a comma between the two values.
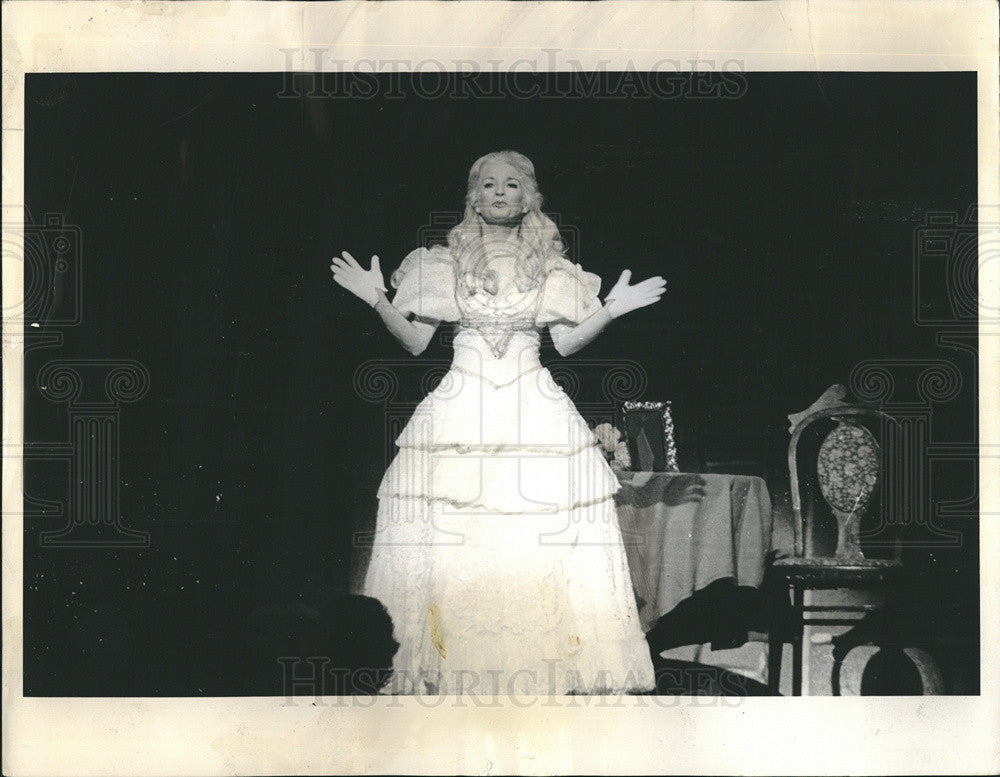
x=209, y=206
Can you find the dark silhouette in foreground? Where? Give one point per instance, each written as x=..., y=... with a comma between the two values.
x=343, y=649
x=358, y=633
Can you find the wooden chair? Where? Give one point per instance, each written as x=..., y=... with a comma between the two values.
x=845, y=468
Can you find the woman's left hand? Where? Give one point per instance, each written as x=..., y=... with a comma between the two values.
x=624, y=298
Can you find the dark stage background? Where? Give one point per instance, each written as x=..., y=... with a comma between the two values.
x=783, y=218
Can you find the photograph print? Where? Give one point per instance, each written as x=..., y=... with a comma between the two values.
x=588, y=383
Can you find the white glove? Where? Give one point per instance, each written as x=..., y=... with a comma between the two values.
x=623, y=298
x=363, y=283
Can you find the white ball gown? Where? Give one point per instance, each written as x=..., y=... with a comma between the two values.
x=497, y=550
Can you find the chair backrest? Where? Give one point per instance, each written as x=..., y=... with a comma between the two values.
x=845, y=468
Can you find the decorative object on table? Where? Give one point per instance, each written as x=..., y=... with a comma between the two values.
x=622, y=458
x=846, y=473
x=612, y=445
x=649, y=434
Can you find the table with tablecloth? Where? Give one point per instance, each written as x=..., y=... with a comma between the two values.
x=676, y=548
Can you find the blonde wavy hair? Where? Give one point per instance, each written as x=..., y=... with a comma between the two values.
x=538, y=235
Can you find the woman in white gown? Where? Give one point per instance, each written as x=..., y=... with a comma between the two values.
x=497, y=550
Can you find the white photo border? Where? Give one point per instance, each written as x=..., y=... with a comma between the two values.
x=87, y=736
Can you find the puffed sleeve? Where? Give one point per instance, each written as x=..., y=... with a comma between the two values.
x=425, y=285
x=569, y=293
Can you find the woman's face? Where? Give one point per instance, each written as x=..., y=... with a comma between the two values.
x=499, y=196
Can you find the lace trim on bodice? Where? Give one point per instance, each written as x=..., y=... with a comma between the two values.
x=497, y=332
x=494, y=295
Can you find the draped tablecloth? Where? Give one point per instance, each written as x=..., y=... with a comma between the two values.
x=675, y=548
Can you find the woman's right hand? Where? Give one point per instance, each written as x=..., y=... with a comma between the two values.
x=363, y=283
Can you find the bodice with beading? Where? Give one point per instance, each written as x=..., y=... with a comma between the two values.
x=489, y=291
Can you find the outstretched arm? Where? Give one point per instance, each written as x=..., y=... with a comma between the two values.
x=570, y=339
x=369, y=285
x=414, y=336
x=621, y=299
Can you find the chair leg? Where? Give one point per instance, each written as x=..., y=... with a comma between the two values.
x=838, y=662
x=776, y=646
x=797, y=604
